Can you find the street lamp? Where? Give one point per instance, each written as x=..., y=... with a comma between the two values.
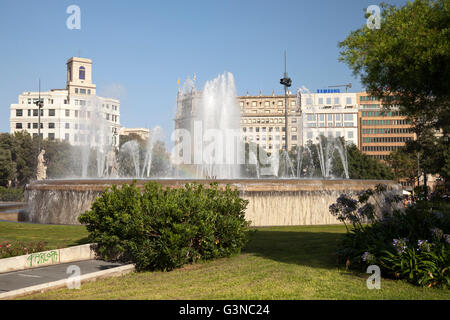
x=286, y=82
x=39, y=104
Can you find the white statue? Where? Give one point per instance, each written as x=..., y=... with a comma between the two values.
x=112, y=165
x=41, y=172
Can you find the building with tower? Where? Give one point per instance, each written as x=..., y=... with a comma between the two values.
x=74, y=114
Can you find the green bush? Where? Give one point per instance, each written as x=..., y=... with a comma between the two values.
x=411, y=243
x=165, y=228
x=11, y=194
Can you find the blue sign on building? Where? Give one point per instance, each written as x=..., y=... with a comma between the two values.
x=328, y=90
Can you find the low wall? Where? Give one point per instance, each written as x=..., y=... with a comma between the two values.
x=46, y=258
x=271, y=202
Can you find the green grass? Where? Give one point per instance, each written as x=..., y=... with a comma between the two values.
x=56, y=236
x=279, y=263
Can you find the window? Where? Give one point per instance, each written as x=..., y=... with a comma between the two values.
x=82, y=73
x=320, y=100
x=338, y=134
x=67, y=137
x=336, y=100
x=330, y=118
x=253, y=103
x=89, y=91
x=267, y=103
x=82, y=91
x=294, y=138
x=76, y=90
x=309, y=101
x=29, y=125
x=76, y=113
x=309, y=135
x=294, y=129
x=19, y=112
x=51, y=112
x=328, y=101
x=350, y=134
x=35, y=125
x=18, y=125
x=35, y=112
x=280, y=103
x=67, y=125
x=292, y=103
x=294, y=120
x=51, y=125
x=348, y=117
x=29, y=112
x=348, y=100
x=67, y=113
x=311, y=117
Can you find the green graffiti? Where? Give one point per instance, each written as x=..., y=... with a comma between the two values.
x=42, y=257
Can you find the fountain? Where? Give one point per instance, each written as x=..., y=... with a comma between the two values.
x=208, y=148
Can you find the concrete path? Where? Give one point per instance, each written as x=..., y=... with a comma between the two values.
x=31, y=277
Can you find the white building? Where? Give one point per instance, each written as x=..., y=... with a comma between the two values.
x=75, y=114
x=143, y=133
x=329, y=114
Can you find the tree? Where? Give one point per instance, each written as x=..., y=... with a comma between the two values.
x=408, y=58
x=404, y=165
x=433, y=154
x=132, y=136
x=362, y=166
x=7, y=167
x=58, y=158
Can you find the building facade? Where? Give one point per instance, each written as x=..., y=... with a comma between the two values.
x=74, y=114
x=380, y=131
x=332, y=115
x=143, y=133
x=263, y=121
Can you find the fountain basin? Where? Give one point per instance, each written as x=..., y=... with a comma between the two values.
x=272, y=202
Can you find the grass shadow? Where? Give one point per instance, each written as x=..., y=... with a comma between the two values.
x=313, y=249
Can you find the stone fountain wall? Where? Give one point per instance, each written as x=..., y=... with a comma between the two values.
x=271, y=202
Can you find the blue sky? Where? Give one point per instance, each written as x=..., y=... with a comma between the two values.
x=140, y=48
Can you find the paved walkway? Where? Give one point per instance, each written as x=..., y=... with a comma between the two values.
x=26, y=278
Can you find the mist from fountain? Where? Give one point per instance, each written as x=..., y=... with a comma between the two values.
x=216, y=108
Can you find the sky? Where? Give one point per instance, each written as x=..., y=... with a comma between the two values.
x=140, y=49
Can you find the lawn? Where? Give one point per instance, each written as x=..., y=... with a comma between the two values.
x=56, y=236
x=279, y=263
